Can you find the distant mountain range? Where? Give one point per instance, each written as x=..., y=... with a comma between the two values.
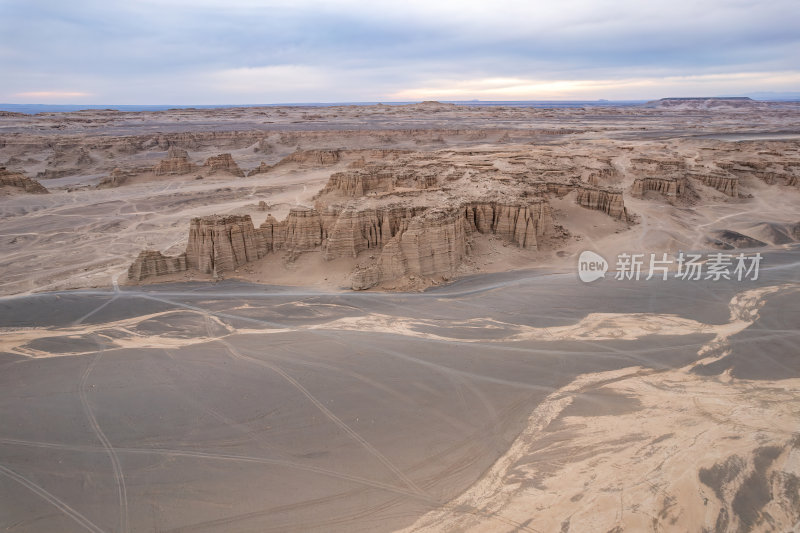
x=63, y=108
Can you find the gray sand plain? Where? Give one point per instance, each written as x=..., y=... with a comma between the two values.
x=239, y=407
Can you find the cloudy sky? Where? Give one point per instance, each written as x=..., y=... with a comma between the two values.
x=251, y=51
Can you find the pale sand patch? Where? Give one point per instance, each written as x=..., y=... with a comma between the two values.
x=642, y=470
x=638, y=471
x=743, y=307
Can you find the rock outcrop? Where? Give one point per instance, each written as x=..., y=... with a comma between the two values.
x=176, y=163
x=313, y=157
x=20, y=183
x=151, y=263
x=434, y=243
x=375, y=178
x=728, y=239
x=676, y=187
x=223, y=163
x=354, y=184
x=263, y=168
x=608, y=201
x=432, y=246
x=351, y=231
x=303, y=230
x=221, y=244
x=428, y=242
x=117, y=178
x=726, y=184
x=273, y=233
x=726, y=103
x=786, y=173
x=84, y=159
x=520, y=224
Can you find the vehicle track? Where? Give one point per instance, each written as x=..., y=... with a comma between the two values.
x=51, y=499
x=329, y=414
x=119, y=477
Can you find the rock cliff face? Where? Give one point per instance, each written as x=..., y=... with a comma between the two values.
x=351, y=231
x=725, y=184
x=671, y=187
x=355, y=184
x=519, y=224
x=786, y=173
x=263, y=168
x=407, y=216
x=177, y=162
x=18, y=182
x=119, y=177
x=375, y=179
x=221, y=244
x=303, y=230
x=434, y=243
x=152, y=263
x=609, y=202
x=223, y=162
x=313, y=157
x=273, y=233
x=428, y=242
x=657, y=165
x=433, y=246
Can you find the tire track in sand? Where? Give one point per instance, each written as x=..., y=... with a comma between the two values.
x=122, y=492
x=330, y=415
x=49, y=498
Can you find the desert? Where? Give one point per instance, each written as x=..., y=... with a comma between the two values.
x=369, y=318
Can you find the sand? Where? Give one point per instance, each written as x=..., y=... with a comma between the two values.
x=512, y=398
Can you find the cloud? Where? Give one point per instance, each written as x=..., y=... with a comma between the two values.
x=269, y=79
x=52, y=95
x=246, y=51
x=634, y=88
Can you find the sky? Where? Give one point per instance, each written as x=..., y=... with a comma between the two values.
x=207, y=52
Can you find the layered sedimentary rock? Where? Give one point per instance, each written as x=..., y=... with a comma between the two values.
x=424, y=241
x=602, y=175
x=770, y=177
x=263, y=168
x=177, y=162
x=434, y=243
x=20, y=182
x=404, y=215
x=313, y=157
x=225, y=163
x=672, y=187
x=84, y=159
x=273, y=234
x=370, y=179
x=609, y=202
x=519, y=224
x=221, y=244
x=726, y=184
x=432, y=246
x=351, y=231
x=303, y=230
x=151, y=263
x=355, y=183
x=658, y=165
x=119, y=177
